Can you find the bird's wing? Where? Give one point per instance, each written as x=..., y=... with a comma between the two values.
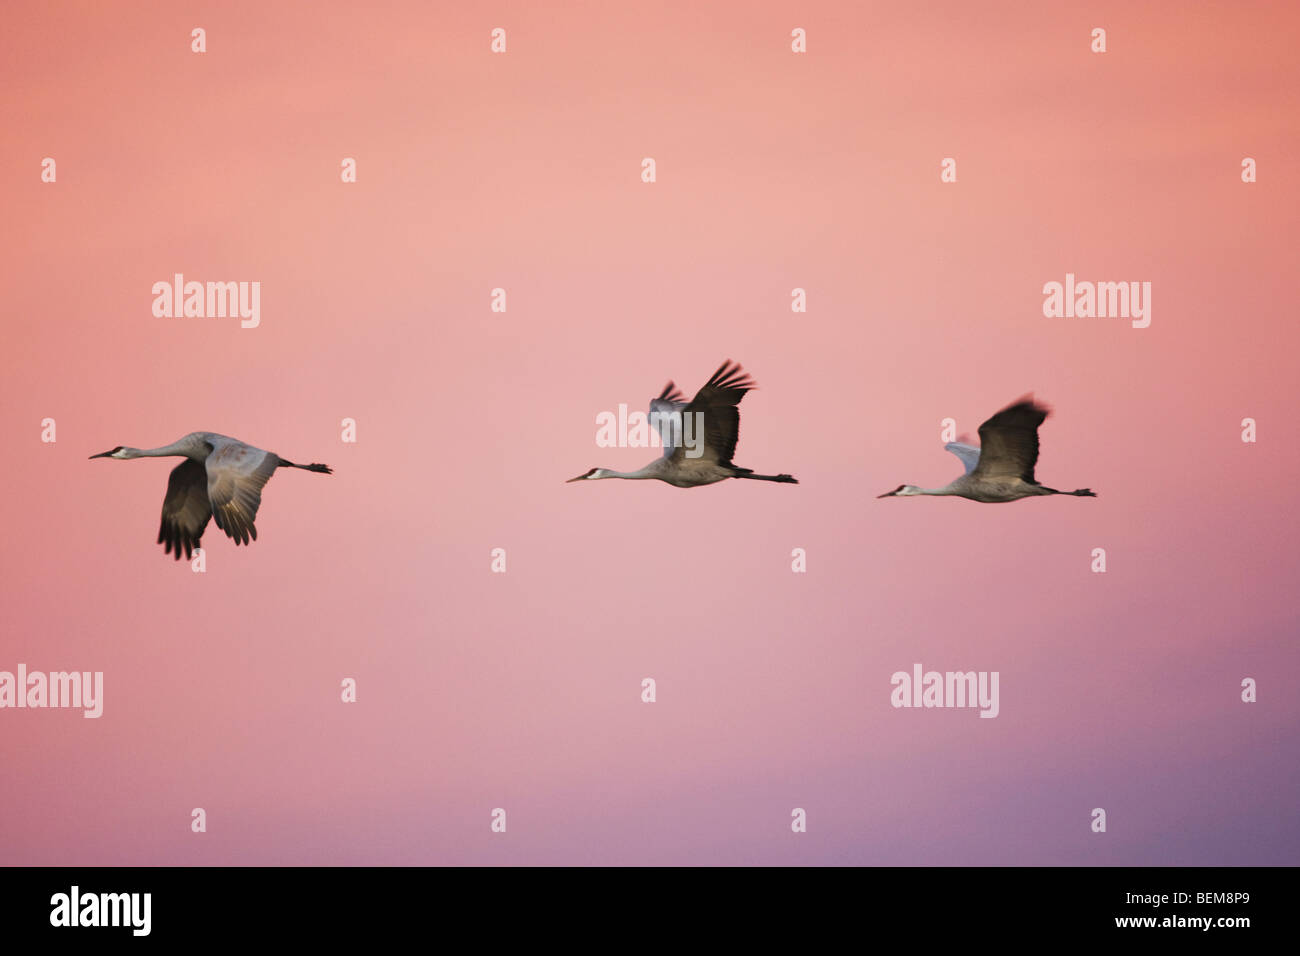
x=1009, y=441
x=969, y=455
x=236, y=475
x=717, y=402
x=185, y=509
x=666, y=416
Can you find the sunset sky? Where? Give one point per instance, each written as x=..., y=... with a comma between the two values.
x=775, y=171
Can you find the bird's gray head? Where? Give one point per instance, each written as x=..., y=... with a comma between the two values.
x=594, y=473
x=119, y=452
x=902, y=491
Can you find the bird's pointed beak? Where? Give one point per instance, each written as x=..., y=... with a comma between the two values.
x=887, y=494
x=102, y=454
x=579, y=478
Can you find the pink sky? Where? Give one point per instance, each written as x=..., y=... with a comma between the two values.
x=522, y=690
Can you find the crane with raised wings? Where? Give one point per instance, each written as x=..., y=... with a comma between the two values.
x=704, y=461
x=1002, y=468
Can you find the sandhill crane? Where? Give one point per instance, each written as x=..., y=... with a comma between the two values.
x=1002, y=468
x=716, y=402
x=221, y=477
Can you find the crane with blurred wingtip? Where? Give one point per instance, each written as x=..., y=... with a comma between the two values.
x=686, y=463
x=221, y=478
x=1002, y=468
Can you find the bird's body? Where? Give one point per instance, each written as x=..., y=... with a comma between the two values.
x=689, y=460
x=1002, y=468
x=221, y=478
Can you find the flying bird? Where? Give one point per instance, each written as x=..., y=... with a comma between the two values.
x=221, y=478
x=687, y=459
x=1002, y=468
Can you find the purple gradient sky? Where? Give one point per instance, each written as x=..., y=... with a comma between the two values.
x=523, y=690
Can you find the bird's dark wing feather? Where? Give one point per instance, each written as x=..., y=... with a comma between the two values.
x=185, y=509
x=1009, y=441
x=717, y=400
x=236, y=476
x=671, y=393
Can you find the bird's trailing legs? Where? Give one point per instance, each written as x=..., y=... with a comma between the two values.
x=786, y=478
x=323, y=469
